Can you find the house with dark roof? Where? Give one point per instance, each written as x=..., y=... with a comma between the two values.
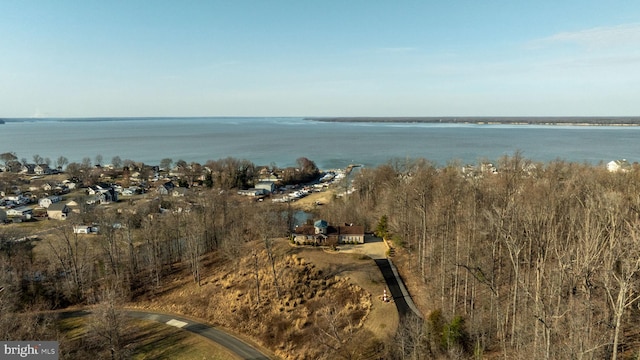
x=166, y=188
x=42, y=169
x=321, y=233
x=58, y=211
x=28, y=169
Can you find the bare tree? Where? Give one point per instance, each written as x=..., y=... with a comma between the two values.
x=165, y=164
x=116, y=161
x=194, y=245
x=72, y=255
x=61, y=162
x=37, y=159
x=108, y=323
x=621, y=279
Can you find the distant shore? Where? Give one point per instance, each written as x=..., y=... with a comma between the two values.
x=560, y=120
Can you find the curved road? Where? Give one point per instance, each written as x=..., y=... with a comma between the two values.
x=235, y=345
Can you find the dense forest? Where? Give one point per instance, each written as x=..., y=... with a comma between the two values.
x=517, y=260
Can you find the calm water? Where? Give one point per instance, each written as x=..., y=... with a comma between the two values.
x=331, y=145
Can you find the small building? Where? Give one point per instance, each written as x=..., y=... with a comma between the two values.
x=166, y=188
x=252, y=192
x=84, y=229
x=102, y=195
x=618, y=166
x=22, y=211
x=42, y=169
x=58, y=211
x=28, y=169
x=46, y=202
x=268, y=186
x=349, y=233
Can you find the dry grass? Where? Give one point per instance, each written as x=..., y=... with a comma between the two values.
x=329, y=304
x=313, y=200
x=144, y=340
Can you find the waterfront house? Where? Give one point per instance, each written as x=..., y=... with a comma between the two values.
x=28, y=169
x=42, y=169
x=618, y=166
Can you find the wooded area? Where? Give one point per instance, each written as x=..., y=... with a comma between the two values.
x=536, y=261
x=531, y=261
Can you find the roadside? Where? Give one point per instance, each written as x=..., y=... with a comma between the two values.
x=147, y=336
x=375, y=248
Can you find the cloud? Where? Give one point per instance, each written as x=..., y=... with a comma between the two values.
x=624, y=35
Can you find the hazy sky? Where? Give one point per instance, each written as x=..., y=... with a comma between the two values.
x=319, y=58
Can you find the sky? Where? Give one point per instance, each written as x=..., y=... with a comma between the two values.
x=319, y=58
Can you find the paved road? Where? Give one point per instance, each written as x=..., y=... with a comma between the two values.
x=376, y=249
x=394, y=287
x=235, y=345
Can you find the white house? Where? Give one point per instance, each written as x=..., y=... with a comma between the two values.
x=84, y=229
x=249, y=192
x=618, y=166
x=23, y=211
x=81, y=229
x=46, y=202
x=42, y=169
x=70, y=184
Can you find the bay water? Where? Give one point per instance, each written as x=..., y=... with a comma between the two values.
x=281, y=141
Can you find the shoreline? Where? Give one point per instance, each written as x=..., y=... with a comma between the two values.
x=484, y=120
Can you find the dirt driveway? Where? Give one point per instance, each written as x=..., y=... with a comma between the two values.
x=373, y=247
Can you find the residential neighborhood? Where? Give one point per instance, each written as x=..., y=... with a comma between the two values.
x=38, y=191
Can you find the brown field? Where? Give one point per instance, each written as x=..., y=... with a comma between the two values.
x=144, y=340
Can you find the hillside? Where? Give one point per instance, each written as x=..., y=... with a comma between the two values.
x=325, y=305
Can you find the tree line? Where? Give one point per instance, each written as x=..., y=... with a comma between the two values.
x=537, y=260
x=534, y=261
x=225, y=173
